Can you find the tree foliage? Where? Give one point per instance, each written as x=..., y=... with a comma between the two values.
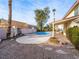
x=41, y=16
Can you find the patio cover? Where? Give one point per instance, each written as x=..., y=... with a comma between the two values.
x=66, y=20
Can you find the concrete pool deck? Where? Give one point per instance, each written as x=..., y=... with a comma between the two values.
x=33, y=39
x=44, y=39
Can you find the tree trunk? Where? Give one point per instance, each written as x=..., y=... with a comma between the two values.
x=41, y=25
x=9, y=18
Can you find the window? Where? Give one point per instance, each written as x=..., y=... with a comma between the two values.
x=76, y=11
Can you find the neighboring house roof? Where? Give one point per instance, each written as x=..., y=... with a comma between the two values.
x=14, y=23
x=71, y=9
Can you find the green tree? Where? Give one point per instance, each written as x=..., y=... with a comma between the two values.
x=41, y=16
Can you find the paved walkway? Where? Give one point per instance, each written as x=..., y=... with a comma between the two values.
x=13, y=50
x=62, y=38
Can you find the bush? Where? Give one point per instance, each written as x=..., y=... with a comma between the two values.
x=73, y=36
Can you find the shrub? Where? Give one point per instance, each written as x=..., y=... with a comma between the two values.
x=73, y=36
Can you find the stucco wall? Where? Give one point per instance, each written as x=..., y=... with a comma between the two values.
x=2, y=33
x=73, y=24
x=27, y=31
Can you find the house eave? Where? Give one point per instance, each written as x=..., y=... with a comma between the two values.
x=66, y=20
x=71, y=9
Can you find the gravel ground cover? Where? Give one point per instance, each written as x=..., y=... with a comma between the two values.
x=10, y=49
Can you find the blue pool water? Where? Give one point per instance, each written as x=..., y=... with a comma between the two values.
x=41, y=33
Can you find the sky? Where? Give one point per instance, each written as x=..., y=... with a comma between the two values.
x=23, y=10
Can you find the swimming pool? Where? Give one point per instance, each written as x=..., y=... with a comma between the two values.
x=41, y=33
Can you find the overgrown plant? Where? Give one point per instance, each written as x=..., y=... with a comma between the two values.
x=73, y=36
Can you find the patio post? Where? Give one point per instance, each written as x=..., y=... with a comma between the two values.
x=53, y=24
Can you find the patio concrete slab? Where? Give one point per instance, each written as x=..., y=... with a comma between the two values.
x=32, y=39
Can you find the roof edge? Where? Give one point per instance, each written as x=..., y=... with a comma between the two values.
x=71, y=9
